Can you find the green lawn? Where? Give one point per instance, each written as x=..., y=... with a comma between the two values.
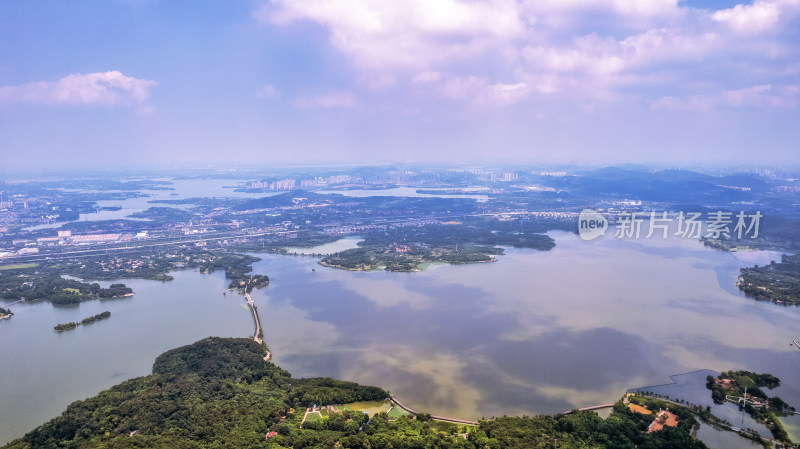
x=397, y=412
x=442, y=426
x=371, y=407
x=17, y=266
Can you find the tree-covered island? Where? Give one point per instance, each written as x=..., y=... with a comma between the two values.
x=33, y=283
x=777, y=282
x=403, y=249
x=745, y=389
x=88, y=320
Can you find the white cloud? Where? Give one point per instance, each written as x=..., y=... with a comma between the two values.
x=764, y=96
x=329, y=100
x=463, y=88
x=757, y=97
x=268, y=91
x=577, y=50
x=478, y=90
x=101, y=88
x=427, y=77
x=749, y=18
x=507, y=93
x=626, y=7
x=404, y=33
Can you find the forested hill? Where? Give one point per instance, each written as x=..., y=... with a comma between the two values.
x=220, y=393
x=214, y=390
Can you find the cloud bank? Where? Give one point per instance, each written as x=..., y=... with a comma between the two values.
x=503, y=52
x=102, y=88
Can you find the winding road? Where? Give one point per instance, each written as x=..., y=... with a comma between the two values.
x=257, y=338
x=438, y=418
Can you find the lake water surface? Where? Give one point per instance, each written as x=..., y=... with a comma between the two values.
x=535, y=332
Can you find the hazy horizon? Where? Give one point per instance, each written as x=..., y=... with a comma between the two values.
x=146, y=84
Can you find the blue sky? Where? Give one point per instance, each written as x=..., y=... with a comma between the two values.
x=143, y=83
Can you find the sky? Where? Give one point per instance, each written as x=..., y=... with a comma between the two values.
x=149, y=83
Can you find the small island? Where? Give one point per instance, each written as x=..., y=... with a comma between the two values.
x=32, y=283
x=88, y=320
x=247, y=283
x=776, y=282
x=744, y=388
x=5, y=313
x=407, y=257
x=455, y=243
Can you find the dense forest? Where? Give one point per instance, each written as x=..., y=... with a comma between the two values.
x=88, y=320
x=248, y=282
x=61, y=327
x=403, y=257
x=405, y=249
x=776, y=282
x=44, y=281
x=33, y=283
x=98, y=317
x=220, y=393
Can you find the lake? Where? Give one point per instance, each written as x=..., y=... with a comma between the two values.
x=182, y=189
x=535, y=332
x=42, y=371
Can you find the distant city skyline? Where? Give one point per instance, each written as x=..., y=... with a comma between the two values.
x=147, y=83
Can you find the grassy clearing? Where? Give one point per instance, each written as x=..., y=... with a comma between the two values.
x=445, y=427
x=371, y=407
x=397, y=412
x=18, y=266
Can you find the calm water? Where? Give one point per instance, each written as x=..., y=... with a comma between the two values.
x=691, y=387
x=404, y=192
x=220, y=188
x=41, y=371
x=536, y=332
x=342, y=244
x=183, y=188
x=721, y=439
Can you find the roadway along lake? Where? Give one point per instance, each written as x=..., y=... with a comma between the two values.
x=536, y=332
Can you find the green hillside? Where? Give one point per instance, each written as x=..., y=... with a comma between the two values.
x=220, y=393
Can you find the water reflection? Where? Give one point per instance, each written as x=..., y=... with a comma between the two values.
x=537, y=332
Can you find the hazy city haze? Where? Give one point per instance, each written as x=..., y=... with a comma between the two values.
x=149, y=83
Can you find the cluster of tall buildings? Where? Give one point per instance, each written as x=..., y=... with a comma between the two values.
x=5, y=201
x=289, y=184
x=283, y=184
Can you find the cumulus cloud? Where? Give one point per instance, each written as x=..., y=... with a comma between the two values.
x=328, y=100
x=474, y=89
x=749, y=18
x=268, y=91
x=404, y=33
x=759, y=97
x=101, y=88
x=427, y=77
x=508, y=51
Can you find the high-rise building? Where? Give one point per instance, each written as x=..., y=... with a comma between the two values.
x=5, y=201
